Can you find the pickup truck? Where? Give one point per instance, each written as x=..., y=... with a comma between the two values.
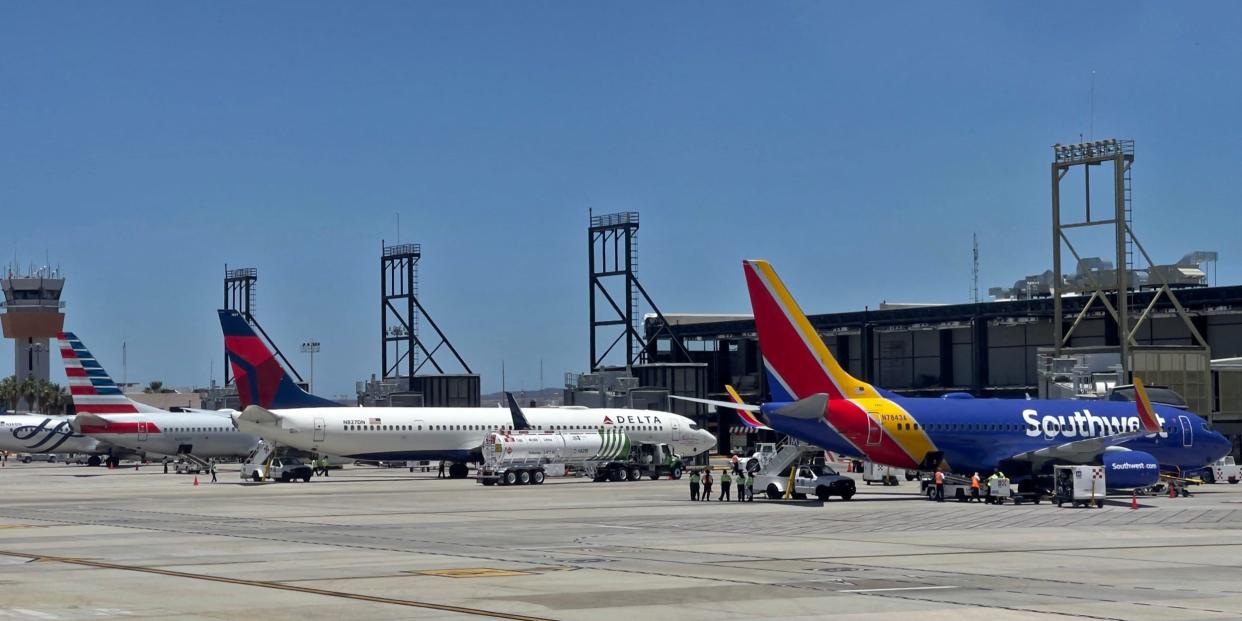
x=818, y=480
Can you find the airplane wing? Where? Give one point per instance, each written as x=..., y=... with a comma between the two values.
x=256, y=414
x=720, y=404
x=1087, y=449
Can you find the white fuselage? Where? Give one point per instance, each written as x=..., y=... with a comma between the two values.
x=456, y=433
x=32, y=433
x=201, y=433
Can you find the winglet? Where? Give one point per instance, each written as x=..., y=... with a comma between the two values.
x=748, y=419
x=1146, y=413
x=519, y=419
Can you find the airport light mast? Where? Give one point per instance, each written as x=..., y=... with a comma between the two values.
x=312, y=348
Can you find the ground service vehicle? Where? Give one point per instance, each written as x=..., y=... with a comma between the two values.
x=282, y=469
x=817, y=480
x=1079, y=485
x=522, y=457
x=1224, y=470
x=876, y=473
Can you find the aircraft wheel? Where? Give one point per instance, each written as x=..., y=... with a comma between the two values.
x=537, y=477
x=93, y=461
x=773, y=493
x=458, y=471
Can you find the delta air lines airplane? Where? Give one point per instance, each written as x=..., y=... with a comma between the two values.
x=816, y=401
x=279, y=411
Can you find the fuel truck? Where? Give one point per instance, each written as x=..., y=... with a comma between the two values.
x=528, y=457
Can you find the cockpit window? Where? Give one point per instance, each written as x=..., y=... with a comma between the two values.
x=694, y=427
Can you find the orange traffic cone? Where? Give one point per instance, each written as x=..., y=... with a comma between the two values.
x=195, y=480
x=1134, y=501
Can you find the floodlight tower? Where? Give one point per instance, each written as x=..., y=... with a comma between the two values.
x=33, y=314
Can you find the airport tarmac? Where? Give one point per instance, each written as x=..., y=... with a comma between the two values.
x=368, y=543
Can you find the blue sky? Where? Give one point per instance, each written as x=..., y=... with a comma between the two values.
x=146, y=145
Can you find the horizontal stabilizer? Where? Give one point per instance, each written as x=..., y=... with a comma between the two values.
x=720, y=404
x=810, y=408
x=89, y=420
x=258, y=415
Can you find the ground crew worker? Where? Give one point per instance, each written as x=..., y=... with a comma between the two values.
x=440, y=474
x=939, y=479
x=694, y=485
x=324, y=461
x=213, y=471
x=707, y=485
x=165, y=465
x=736, y=470
x=726, y=481
x=750, y=487
x=974, y=487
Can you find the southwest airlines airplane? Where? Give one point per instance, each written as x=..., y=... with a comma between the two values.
x=276, y=409
x=818, y=402
x=105, y=413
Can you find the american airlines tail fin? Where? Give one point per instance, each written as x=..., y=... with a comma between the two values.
x=259, y=377
x=797, y=361
x=91, y=387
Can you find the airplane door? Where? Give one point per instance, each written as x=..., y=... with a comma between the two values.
x=142, y=431
x=676, y=431
x=319, y=430
x=1188, y=432
x=874, y=433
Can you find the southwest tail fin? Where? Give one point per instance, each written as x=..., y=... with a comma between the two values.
x=91, y=387
x=798, y=363
x=259, y=377
x=748, y=419
x=1146, y=413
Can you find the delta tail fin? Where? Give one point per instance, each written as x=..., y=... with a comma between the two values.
x=259, y=377
x=90, y=386
x=797, y=360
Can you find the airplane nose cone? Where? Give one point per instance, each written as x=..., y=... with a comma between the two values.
x=1221, y=445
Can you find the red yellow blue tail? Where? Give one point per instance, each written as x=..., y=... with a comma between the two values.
x=748, y=418
x=798, y=363
x=1146, y=413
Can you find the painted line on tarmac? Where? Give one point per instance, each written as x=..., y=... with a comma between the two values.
x=275, y=585
x=918, y=588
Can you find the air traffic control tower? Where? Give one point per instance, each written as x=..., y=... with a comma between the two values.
x=33, y=314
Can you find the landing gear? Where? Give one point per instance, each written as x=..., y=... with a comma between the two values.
x=458, y=471
x=94, y=461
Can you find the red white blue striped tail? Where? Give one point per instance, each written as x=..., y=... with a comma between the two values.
x=91, y=387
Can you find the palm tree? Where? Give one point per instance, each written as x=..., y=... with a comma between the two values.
x=154, y=387
x=29, y=391
x=9, y=393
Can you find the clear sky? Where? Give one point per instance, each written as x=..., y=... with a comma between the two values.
x=145, y=145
